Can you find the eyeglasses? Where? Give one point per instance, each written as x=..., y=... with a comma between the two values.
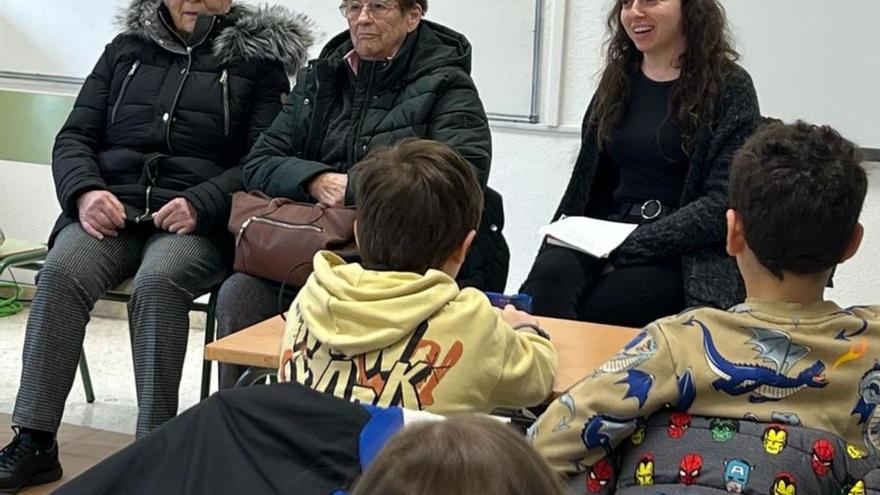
x=376, y=9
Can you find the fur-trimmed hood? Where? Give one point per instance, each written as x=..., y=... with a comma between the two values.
x=268, y=32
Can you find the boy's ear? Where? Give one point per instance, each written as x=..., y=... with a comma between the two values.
x=736, y=239
x=461, y=251
x=854, y=243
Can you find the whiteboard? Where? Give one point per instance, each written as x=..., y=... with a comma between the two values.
x=818, y=60
x=64, y=38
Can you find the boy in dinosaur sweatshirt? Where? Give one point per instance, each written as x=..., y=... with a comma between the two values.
x=396, y=330
x=785, y=357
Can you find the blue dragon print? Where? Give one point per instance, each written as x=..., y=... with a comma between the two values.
x=866, y=408
x=687, y=391
x=638, y=351
x=567, y=401
x=638, y=385
x=606, y=431
x=765, y=384
x=842, y=335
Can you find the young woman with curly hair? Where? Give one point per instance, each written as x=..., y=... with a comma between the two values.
x=671, y=108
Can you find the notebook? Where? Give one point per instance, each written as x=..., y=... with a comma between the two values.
x=587, y=235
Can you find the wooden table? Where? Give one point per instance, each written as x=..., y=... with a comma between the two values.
x=80, y=448
x=582, y=347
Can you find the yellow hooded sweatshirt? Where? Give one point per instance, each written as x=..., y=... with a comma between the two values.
x=405, y=339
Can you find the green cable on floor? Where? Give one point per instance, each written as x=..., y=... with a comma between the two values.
x=11, y=305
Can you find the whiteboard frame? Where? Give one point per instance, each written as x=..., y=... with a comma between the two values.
x=537, y=48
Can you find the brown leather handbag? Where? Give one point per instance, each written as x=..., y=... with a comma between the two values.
x=276, y=238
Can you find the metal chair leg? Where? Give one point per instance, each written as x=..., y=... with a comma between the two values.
x=256, y=376
x=86, y=377
x=210, y=330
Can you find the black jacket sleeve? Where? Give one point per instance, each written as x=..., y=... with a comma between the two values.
x=212, y=199
x=459, y=120
x=74, y=157
x=701, y=222
x=274, y=165
x=574, y=200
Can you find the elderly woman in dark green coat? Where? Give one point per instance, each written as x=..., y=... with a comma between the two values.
x=392, y=75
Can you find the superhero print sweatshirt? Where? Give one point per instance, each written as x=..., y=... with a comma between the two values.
x=812, y=365
x=405, y=339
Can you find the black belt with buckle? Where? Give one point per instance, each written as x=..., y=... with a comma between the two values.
x=648, y=211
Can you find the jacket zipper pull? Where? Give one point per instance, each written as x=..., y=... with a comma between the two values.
x=224, y=79
x=125, y=82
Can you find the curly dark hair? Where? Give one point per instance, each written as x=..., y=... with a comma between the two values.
x=706, y=60
x=799, y=190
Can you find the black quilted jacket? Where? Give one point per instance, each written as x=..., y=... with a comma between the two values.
x=160, y=117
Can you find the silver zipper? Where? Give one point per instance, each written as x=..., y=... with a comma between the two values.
x=224, y=82
x=134, y=68
x=146, y=215
x=189, y=61
x=189, y=50
x=275, y=223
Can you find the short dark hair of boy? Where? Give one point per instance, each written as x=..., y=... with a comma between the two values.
x=461, y=455
x=417, y=201
x=799, y=189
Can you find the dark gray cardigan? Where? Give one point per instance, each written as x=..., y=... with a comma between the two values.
x=696, y=232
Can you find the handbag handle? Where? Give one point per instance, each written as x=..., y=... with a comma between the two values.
x=276, y=203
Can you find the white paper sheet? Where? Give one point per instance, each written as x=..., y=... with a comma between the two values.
x=588, y=235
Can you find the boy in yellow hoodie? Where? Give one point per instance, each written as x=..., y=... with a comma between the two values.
x=396, y=330
x=786, y=357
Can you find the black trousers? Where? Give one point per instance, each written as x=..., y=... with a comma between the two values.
x=246, y=300
x=569, y=284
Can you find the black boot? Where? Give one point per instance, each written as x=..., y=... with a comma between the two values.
x=25, y=463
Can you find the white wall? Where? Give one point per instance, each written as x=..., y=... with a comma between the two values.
x=531, y=164
x=33, y=43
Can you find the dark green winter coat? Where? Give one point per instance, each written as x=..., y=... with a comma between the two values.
x=425, y=91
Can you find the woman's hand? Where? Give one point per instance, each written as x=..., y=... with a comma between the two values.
x=177, y=216
x=100, y=214
x=329, y=188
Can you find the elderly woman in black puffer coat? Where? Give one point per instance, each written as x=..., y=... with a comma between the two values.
x=144, y=169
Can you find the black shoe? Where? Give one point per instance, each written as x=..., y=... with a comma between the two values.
x=23, y=463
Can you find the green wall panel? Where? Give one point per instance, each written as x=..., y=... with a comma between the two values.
x=29, y=123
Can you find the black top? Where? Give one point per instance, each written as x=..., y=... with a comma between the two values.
x=696, y=231
x=647, y=148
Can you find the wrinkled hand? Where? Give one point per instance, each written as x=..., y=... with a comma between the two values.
x=177, y=216
x=100, y=214
x=329, y=188
x=516, y=317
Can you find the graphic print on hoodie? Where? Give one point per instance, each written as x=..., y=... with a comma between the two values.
x=405, y=339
